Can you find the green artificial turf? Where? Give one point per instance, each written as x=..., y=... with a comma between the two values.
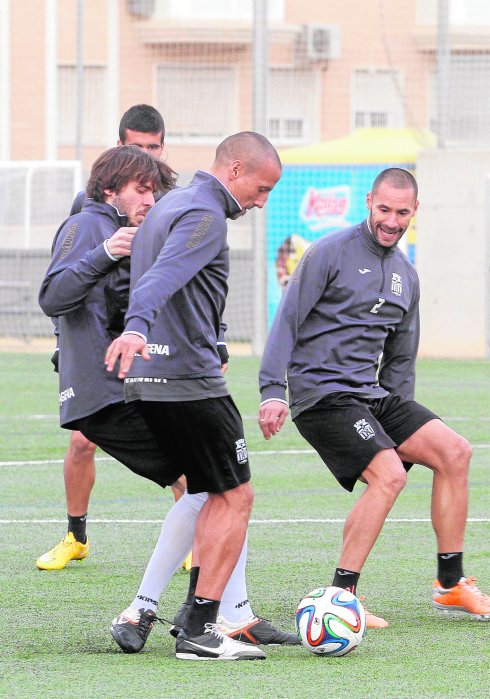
x=54, y=634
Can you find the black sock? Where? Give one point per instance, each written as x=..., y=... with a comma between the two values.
x=450, y=568
x=78, y=527
x=347, y=579
x=193, y=576
x=203, y=611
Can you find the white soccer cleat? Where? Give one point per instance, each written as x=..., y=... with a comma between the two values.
x=214, y=645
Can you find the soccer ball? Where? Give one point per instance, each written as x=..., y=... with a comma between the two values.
x=330, y=621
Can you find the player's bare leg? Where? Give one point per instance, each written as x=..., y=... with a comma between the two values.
x=385, y=478
x=448, y=455
x=225, y=517
x=220, y=534
x=178, y=488
x=79, y=475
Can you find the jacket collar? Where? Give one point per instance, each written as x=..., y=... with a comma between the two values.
x=101, y=208
x=230, y=205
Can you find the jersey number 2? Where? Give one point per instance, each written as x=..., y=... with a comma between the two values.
x=377, y=306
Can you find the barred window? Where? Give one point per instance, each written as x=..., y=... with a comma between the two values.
x=292, y=99
x=376, y=100
x=199, y=102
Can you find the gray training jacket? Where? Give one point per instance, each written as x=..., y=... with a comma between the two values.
x=349, y=301
x=75, y=289
x=179, y=272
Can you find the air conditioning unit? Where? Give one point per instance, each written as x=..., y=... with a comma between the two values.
x=143, y=9
x=322, y=41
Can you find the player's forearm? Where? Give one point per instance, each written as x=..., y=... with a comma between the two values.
x=397, y=371
x=272, y=373
x=65, y=290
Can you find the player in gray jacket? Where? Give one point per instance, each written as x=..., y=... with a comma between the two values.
x=346, y=334
x=178, y=288
x=89, y=260
x=141, y=125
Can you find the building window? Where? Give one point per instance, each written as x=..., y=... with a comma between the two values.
x=292, y=100
x=94, y=127
x=215, y=9
x=199, y=102
x=376, y=99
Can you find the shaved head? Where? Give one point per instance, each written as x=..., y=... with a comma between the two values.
x=249, y=167
x=396, y=177
x=248, y=146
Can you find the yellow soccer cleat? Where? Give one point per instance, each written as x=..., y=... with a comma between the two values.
x=69, y=549
x=187, y=564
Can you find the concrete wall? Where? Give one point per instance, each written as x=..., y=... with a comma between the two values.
x=453, y=253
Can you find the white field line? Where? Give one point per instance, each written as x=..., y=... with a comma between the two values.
x=401, y=520
x=278, y=452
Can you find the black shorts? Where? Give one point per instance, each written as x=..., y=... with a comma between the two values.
x=205, y=437
x=121, y=431
x=348, y=431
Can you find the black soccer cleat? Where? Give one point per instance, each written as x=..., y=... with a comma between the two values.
x=180, y=619
x=257, y=631
x=131, y=628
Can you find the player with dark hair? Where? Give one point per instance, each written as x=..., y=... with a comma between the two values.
x=346, y=335
x=89, y=247
x=141, y=125
x=179, y=274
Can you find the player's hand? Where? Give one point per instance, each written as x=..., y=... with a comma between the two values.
x=271, y=417
x=224, y=368
x=119, y=244
x=124, y=348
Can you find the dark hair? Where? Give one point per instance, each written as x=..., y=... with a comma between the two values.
x=168, y=177
x=119, y=165
x=141, y=117
x=396, y=177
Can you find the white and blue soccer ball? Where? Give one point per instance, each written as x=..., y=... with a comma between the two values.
x=330, y=621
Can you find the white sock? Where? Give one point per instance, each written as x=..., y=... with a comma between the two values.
x=234, y=603
x=173, y=545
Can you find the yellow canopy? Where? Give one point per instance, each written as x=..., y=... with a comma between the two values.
x=363, y=146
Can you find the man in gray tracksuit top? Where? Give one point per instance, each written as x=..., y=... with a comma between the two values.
x=179, y=273
x=346, y=334
x=89, y=264
x=76, y=293
x=185, y=270
x=356, y=296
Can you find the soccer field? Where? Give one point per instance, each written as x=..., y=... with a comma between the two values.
x=55, y=636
